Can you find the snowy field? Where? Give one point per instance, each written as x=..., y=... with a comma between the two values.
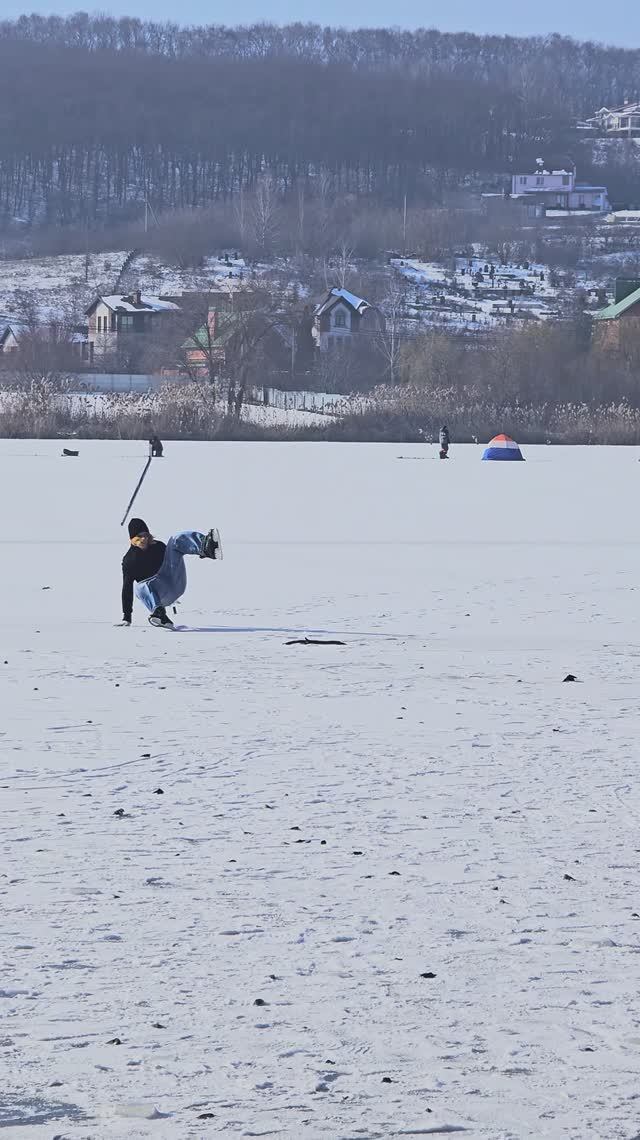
x=390, y=888
x=464, y=293
x=64, y=280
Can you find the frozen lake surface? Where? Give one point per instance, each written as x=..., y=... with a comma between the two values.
x=390, y=888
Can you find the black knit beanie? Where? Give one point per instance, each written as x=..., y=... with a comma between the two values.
x=136, y=527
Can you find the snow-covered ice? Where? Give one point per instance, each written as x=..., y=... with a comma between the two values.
x=390, y=888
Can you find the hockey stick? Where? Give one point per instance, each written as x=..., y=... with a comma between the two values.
x=133, y=497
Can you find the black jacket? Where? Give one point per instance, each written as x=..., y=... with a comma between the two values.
x=137, y=566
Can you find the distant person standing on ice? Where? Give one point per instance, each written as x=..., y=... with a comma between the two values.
x=158, y=569
x=445, y=440
x=155, y=447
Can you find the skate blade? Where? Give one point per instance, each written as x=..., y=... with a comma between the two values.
x=216, y=536
x=214, y=533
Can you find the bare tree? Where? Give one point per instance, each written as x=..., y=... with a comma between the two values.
x=202, y=352
x=266, y=221
x=343, y=263
x=49, y=346
x=300, y=229
x=241, y=216
x=389, y=336
x=259, y=332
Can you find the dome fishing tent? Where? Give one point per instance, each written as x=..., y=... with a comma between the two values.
x=502, y=447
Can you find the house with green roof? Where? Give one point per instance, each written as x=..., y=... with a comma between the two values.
x=205, y=351
x=232, y=339
x=614, y=324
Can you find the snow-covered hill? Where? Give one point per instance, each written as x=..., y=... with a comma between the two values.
x=477, y=293
x=68, y=281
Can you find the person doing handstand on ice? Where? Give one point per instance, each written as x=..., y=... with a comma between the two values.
x=157, y=570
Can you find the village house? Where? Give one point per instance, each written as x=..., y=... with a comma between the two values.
x=112, y=318
x=204, y=353
x=16, y=336
x=619, y=122
x=619, y=321
x=340, y=316
x=228, y=336
x=558, y=190
x=10, y=332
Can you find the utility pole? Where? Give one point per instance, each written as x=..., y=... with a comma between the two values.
x=293, y=351
x=86, y=251
x=149, y=210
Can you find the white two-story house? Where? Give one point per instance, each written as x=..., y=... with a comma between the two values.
x=559, y=190
x=113, y=317
x=619, y=122
x=340, y=316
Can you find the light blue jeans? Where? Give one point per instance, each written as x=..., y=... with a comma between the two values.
x=170, y=583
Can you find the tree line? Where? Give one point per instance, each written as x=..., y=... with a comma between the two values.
x=101, y=115
x=581, y=75
x=541, y=384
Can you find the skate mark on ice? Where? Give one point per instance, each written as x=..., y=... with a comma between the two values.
x=284, y=629
x=436, y=1130
x=70, y=777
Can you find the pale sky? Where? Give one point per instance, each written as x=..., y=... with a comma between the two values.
x=582, y=19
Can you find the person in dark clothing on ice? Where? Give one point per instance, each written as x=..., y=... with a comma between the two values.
x=156, y=569
x=445, y=440
x=155, y=447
